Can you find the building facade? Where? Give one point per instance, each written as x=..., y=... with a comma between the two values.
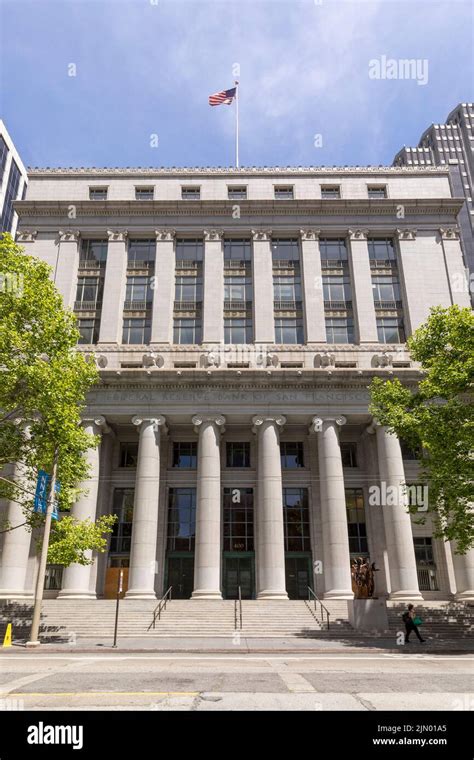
x=237, y=317
x=451, y=144
x=13, y=181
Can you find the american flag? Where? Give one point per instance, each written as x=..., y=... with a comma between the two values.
x=225, y=96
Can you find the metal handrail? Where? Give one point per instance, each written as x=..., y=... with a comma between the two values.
x=318, y=600
x=238, y=617
x=240, y=606
x=160, y=607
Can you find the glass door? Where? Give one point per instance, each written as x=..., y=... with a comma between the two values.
x=239, y=571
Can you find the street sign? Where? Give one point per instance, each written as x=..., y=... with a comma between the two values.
x=41, y=494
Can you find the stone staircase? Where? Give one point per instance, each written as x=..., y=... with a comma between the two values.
x=441, y=620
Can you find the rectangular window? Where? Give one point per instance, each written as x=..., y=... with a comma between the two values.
x=181, y=519
x=237, y=249
x=3, y=157
x=136, y=330
x=237, y=454
x=333, y=251
x=379, y=191
x=330, y=192
x=424, y=550
x=237, y=288
x=381, y=249
x=98, y=193
x=121, y=538
x=235, y=193
x=339, y=329
x=144, y=193
x=287, y=288
x=187, y=331
x=349, y=454
x=141, y=254
x=188, y=249
x=191, y=193
x=185, y=455
x=285, y=249
x=390, y=330
x=128, y=454
x=291, y=454
x=238, y=520
x=337, y=291
x=89, y=330
x=409, y=453
x=89, y=292
x=238, y=330
x=11, y=195
x=356, y=521
x=386, y=290
x=296, y=520
x=289, y=330
x=284, y=192
x=93, y=254
x=188, y=288
x=138, y=293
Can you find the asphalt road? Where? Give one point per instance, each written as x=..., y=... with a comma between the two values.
x=181, y=681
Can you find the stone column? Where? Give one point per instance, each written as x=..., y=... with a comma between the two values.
x=362, y=293
x=67, y=266
x=213, y=288
x=397, y=523
x=315, y=322
x=77, y=578
x=271, y=581
x=336, y=556
x=263, y=319
x=456, y=273
x=16, y=544
x=141, y=579
x=464, y=575
x=163, y=292
x=111, y=321
x=207, y=560
x=411, y=278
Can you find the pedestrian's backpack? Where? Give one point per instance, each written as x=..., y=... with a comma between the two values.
x=406, y=616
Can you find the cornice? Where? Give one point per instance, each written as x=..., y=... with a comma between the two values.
x=185, y=171
x=152, y=210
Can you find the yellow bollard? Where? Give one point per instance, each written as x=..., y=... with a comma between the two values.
x=7, y=641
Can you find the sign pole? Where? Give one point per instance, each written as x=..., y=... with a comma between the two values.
x=35, y=624
x=119, y=591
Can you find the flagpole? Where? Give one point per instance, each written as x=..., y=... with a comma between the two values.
x=236, y=125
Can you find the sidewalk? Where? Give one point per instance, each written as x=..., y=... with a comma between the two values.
x=248, y=645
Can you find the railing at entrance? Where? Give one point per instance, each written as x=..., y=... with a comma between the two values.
x=323, y=609
x=238, y=611
x=427, y=579
x=160, y=607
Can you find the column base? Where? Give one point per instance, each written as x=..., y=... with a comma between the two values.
x=6, y=594
x=338, y=594
x=405, y=596
x=272, y=595
x=71, y=594
x=206, y=594
x=139, y=594
x=464, y=596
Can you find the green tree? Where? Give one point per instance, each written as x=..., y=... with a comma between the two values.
x=437, y=418
x=43, y=382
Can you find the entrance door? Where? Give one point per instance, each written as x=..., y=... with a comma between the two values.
x=181, y=577
x=298, y=577
x=238, y=571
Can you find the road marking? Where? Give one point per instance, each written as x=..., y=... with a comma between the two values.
x=104, y=693
x=295, y=682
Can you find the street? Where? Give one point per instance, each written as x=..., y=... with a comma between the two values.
x=208, y=682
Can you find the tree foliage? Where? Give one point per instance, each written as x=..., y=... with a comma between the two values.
x=43, y=382
x=437, y=418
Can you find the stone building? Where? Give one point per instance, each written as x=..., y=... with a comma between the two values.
x=237, y=317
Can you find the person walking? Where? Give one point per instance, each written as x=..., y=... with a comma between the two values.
x=409, y=617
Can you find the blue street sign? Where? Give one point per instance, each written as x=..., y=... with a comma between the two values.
x=41, y=495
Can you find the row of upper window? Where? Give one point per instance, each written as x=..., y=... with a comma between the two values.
x=238, y=192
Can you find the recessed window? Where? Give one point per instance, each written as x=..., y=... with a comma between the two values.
x=191, y=193
x=235, y=193
x=330, y=192
x=144, y=193
x=378, y=191
x=136, y=331
x=291, y=453
x=89, y=330
x=98, y=193
x=237, y=454
x=185, y=454
x=128, y=454
x=284, y=193
x=356, y=521
x=349, y=454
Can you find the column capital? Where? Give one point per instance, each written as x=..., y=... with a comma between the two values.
x=98, y=421
x=449, y=233
x=68, y=236
x=310, y=234
x=358, y=234
x=157, y=421
x=26, y=236
x=216, y=419
x=406, y=234
x=317, y=422
x=165, y=234
x=213, y=235
x=117, y=236
x=372, y=427
x=260, y=419
x=261, y=234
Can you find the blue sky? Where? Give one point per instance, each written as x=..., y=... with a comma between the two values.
x=146, y=67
